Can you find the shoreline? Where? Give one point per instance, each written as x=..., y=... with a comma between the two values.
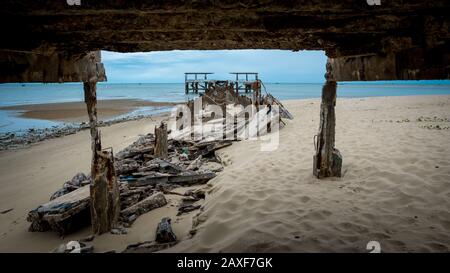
x=76, y=111
x=23, y=139
x=13, y=141
x=68, y=118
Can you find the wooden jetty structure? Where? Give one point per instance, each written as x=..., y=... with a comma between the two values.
x=242, y=81
x=199, y=81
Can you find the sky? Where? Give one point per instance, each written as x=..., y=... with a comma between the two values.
x=280, y=66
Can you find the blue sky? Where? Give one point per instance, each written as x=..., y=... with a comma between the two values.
x=169, y=66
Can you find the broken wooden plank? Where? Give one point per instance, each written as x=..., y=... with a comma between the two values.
x=184, y=178
x=190, y=178
x=62, y=214
x=284, y=113
x=154, y=201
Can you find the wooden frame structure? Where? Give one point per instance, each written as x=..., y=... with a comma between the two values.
x=244, y=84
x=196, y=83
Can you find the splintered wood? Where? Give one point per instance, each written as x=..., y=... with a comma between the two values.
x=104, y=190
x=327, y=161
x=136, y=180
x=105, y=203
x=161, y=141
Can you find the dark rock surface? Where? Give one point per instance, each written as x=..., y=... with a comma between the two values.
x=44, y=40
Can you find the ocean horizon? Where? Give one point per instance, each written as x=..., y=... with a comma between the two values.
x=38, y=93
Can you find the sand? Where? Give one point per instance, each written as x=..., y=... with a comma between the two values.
x=395, y=187
x=29, y=176
x=76, y=111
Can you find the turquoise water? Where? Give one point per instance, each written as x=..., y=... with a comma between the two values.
x=18, y=94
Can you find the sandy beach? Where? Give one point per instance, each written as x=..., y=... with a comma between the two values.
x=76, y=111
x=395, y=187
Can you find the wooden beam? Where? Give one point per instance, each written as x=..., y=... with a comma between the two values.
x=327, y=161
x=104, y=191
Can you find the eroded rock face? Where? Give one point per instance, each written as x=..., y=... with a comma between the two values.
x=340, y=27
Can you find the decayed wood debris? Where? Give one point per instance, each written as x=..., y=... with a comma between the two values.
x=62, y=214
x=79, y=180
x=142, y=181
x=144, y=177
x=154, y=201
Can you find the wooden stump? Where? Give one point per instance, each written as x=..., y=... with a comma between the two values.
x=161, y=147
x=105, y=195
x=104, y=191
x=327, y=161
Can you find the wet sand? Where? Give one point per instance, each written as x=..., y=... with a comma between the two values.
x=395, y=187
x=76, y=111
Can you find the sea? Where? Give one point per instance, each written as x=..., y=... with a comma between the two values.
x=37, y=93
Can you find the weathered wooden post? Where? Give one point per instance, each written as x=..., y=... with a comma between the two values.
x=104, y=191
x=161, y=147
x=327, y=162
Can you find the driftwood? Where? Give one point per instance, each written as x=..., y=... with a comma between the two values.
x=184, y=178
x=161, y=147
x=164, y=233
x=130, y=196
x=152, y=202
x=63, y=214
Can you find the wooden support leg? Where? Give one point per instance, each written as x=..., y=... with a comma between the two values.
x=161, y=147
x=105, y=195
x=104, y=191
x=327, y=160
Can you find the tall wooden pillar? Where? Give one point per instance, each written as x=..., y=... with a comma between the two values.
x=104, y=191
x=327, y=161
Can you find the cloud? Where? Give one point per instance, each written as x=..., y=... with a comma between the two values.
x=169, y=66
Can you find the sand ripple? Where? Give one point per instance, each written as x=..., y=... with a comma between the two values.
x=395, y=190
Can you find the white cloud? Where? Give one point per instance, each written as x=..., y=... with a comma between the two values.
x=169, y=66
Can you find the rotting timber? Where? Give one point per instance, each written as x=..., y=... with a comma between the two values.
x=50, y=41
x=145, y=172
x=104, y=192
x=327, y=161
